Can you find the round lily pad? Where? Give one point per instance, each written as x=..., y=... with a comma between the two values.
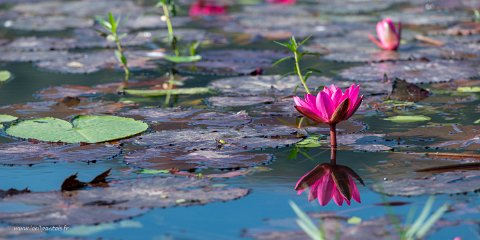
x=4, y=76
x=160, y=115
x=413, y=72
x=25, y=153
x=88, y=129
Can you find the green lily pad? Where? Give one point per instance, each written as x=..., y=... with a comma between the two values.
x=408, y=119
x=7, y=118
x=88, y=129
x=468, y=89
x=183, y=59
x=5, y=75
x=163, y=92
x=477, y=122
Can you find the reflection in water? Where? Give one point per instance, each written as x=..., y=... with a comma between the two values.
x=206, y=8
x=330, y=180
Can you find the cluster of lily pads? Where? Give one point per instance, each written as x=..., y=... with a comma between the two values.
x=192, y=106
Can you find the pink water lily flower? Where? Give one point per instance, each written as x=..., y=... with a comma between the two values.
x=327, y=181
x=388, y=36
x=331, y=105
x=206, y=8
x=285, y=2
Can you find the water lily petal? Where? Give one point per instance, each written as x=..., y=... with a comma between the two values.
x=325, y=191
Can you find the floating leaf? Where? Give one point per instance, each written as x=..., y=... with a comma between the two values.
x=469, y=89
x=443, y=183
x=5, y=75
x=153, y=171
x=7, y=118
x=477, y=121
x=88, y=129
x=183, y=59
x=408, y=119
x=27, y=153
x=310, y=141
x=354, y=220
x=163, y=92
x=121, y=200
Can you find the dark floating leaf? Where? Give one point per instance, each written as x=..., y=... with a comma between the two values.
x=72, y=183
x=216, y=119
x=123, y=199
x=452, y=168
x=90, y=62
x=404, y=91
x=26, y=153
x=239, y=101
x=420, y=16
x=231, y=62
x=59, y=109
x=101, y=178
x=12, y=191
x=443, y=183
x=49, y=23
x=286, y=86
x=412, y=72
x=161, y=115
x=392, y=204
x=159, y=158
x=449, y=135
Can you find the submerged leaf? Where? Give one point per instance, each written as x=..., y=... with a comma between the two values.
x=88, y=129
x=408, y=119
x=469, y=89
x=175, y=91
x=183, y=59
x=5, y=75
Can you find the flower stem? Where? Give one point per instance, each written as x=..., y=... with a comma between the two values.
x=333, y=156
x=333, y=136
x=299, y=73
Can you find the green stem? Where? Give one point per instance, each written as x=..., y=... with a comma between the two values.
x=126, y=70
x=299, y=73
x=171, y=35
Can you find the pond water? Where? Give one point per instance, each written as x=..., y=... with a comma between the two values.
x=232, y=157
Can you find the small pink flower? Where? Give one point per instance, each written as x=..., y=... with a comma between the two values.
x=285, y=2
x=331, y=105
x=389, y=35
x=206, y=8
x=327, y=181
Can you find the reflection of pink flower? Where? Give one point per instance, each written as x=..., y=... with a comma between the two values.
x=331, y=105
x=286, y=2
x=206, y=8
x=388, y=36
x=327, y=181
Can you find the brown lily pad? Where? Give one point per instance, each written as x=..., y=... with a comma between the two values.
x=404, y=91
x=412, y=72
x=121, y=200
x=443, y=183
x=26, y=153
